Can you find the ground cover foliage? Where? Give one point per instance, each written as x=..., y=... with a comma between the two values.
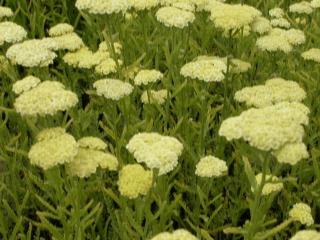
x=37, y=203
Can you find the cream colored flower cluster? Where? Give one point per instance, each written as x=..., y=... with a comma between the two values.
x=302, y=7
x=272, y=184
x=315, y=3
x=278, y=18
x=291, y=153
x=175, y=17
x=54, y=147
x=306, y=235
x=229, y=17
x=301, y=212
x=103, y=7
x=45, y=98
x=268, y=128
x=134, y=180
x=274, y=91
x=144, y=77
x=60, y=29
x=156, y=151
x=154, y=97
x=261, y=25
x=211, y=166
x=11, y=32
x=143, y=4
x=5, y=12
x=179, y=234
x=281, y=40
x=205, y=69
x=312, y=54
x=113, y=89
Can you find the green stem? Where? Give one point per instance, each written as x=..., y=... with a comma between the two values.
x=276, y=229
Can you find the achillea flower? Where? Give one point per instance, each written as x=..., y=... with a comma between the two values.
x=268, y=128
x=208, y=70
x=291, y=153
x=103, y=7
x=174, y=17
x=301, y=212
x=273, y=43
x=233, y=17
x=280, y=22
x=207, y=5
x=156, y=151
x=92, y=143
x=88, y=160
x=106, y=67
x=271, y=185
x=312, y=54
x=49, y=152
x=276, y=12
x=31, y=53
x=82, y=58
x=306, y=235
x=50, y=133
x=239, y=66
x=261, y=25
x=154, y=97
x=113, y=88
x=186, y=6
x=70, y=41
x=179, y=234
x=105, y=47
x=144, y=77
x=47, y=98
x=60, y=29
x=134, y=181
x=294, y=36
x=143, y=4
x=274, y=91
x=25, y=84
x=303, y=7
x=5, y=12
x=315, y=3
x=11, y=32
x=211, y=166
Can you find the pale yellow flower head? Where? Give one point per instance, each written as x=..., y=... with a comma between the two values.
x=306, y=235
x=103, y=7
x=315, y=3
x=154, y=97
x=113, y=89
x=174, y=17
x=211, y=166
x=25, y=84
x=60, y=29
x=280, y=22
x=70, y=41
x=272, y=184
x=261, y=25
x=134, y=180
x=302, y=7
x=5, y=12
x=276, y=12
x=143, y=4
x=106, y=67
x=179, y=234
x=49, y=152
x=92, y=143
x=47, y=98
x=312, y=54
x=144, y=77
x=291, y=153
x=11, y=32
x=301, y=212
x=156, y=151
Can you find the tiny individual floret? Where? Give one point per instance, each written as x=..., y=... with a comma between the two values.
x=92, y=143
x=179, y=234
x=106, y=67
x=145, y=77
x=315, y=3
x=301, y=212
x=113, y=89
x=47, y=98
x=208, y=70
x=103, y=7
x=291, y=153
x=154, y=97
x=60, y=29
x=280, y=22
x=312, y=54
x=272, y=184
x=175, y=17
x=134, y=180
x=143, y=4
x=31, y=53
x=88, y=160
x=233, y=17
x=306, y=235
x=276, y=12
x=52, y=151
x=5, y=12
x=25, y=84
x=156, y=151
x=11, y=32
x=211, y=166
x=303, y=7
x=261, y=25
